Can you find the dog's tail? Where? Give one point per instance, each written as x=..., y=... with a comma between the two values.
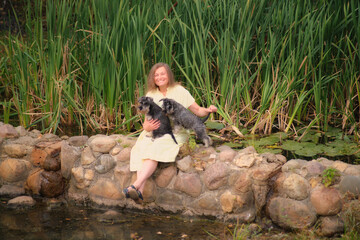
x=205, y=118
x=173, y=137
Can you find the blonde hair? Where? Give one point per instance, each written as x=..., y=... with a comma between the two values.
x=151, y=86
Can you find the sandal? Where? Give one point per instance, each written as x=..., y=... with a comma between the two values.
x=126, y=192
x=134, y=194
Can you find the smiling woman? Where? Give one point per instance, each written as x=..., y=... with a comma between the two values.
x=147, y=151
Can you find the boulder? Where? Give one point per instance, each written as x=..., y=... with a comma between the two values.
x=105, y=163
x=11, y=190
x=68, y=156
x=87, y=157
x=102, y=144
x=185, y=164
x=8, y=131
x=105, y=188
x=22, y=201
x=240, y=182
x=331, y=225
x=52, y=184
x=123, y=155
x=15, y=150
x=13, y=170
x=290, y=213
x=78, y=141
x=296, y=187
x=165, y=176
x=38, y=156
x=350, y=184
x=227, y=155
x=215, y=176
x=122, y=175
x=326, y=201
x=188, y=183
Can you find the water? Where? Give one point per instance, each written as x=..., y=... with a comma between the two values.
x=80, y=222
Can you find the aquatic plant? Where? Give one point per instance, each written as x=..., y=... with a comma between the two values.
x=330, y=176
x=266, y=66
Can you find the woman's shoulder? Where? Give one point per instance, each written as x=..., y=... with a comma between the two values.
x=178, y=88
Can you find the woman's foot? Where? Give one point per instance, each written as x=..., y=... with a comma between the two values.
x=133, y=193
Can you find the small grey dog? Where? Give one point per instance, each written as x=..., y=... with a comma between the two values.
x=183, y=117
x=153, y=111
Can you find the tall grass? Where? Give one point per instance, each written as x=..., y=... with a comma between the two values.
x=266, y=66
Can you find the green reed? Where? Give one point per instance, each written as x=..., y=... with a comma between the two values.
x=266, y=66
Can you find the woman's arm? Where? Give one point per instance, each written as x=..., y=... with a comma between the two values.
x=201, y=111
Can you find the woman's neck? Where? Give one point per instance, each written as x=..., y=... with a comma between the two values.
x=163, y=90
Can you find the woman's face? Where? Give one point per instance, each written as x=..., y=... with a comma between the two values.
x=161, y=77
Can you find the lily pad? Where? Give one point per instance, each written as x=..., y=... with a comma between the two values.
x=333, y=132
x=271, y=140
x=307, y=144
x=311, y=136
x=269, y=150
x=331, y=151
x=308, y=152
x=291, y=145
x=214, y=125
x=281, y=135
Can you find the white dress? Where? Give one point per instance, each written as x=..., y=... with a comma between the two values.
x=162, y=149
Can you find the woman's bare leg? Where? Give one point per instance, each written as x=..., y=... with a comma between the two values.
x=148, y=168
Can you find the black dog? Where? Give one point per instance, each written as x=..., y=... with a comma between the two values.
x=183, y=117
x=153, y=111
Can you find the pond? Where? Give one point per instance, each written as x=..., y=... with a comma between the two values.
x=65, y=221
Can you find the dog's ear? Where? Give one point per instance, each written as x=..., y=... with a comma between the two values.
x=150, y=99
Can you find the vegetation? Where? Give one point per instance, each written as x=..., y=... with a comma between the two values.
x=267, y=65
x=330, y=176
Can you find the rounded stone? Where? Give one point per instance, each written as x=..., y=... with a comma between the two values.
x=188, y=183
x=123, y=155
x=15, y=150
x=215, y=176
x=13, y=170
x=314, y=168
x=326, y=201
x=185, y=164
x=102, y=144
x=350, y=184
x=87, y=156
x=104, y=188
x=22, y=201
x=165, y=176
x=227, y=155
x=52, y=184
x=290, y=214
x=296, y=187
x=331, y=225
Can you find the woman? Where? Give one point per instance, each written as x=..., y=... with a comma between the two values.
x=147, y=152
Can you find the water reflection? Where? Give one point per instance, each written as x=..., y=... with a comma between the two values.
x=79, y=222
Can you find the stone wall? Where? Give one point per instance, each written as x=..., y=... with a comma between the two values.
x=222, y=182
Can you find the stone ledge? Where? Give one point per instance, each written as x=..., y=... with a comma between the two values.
x=222, y=182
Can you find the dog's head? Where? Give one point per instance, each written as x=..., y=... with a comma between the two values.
x=145, y=104
x=169, y=106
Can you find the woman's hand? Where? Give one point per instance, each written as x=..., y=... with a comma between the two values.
x=151, y=125
x=211, y=109
x=201, y=111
